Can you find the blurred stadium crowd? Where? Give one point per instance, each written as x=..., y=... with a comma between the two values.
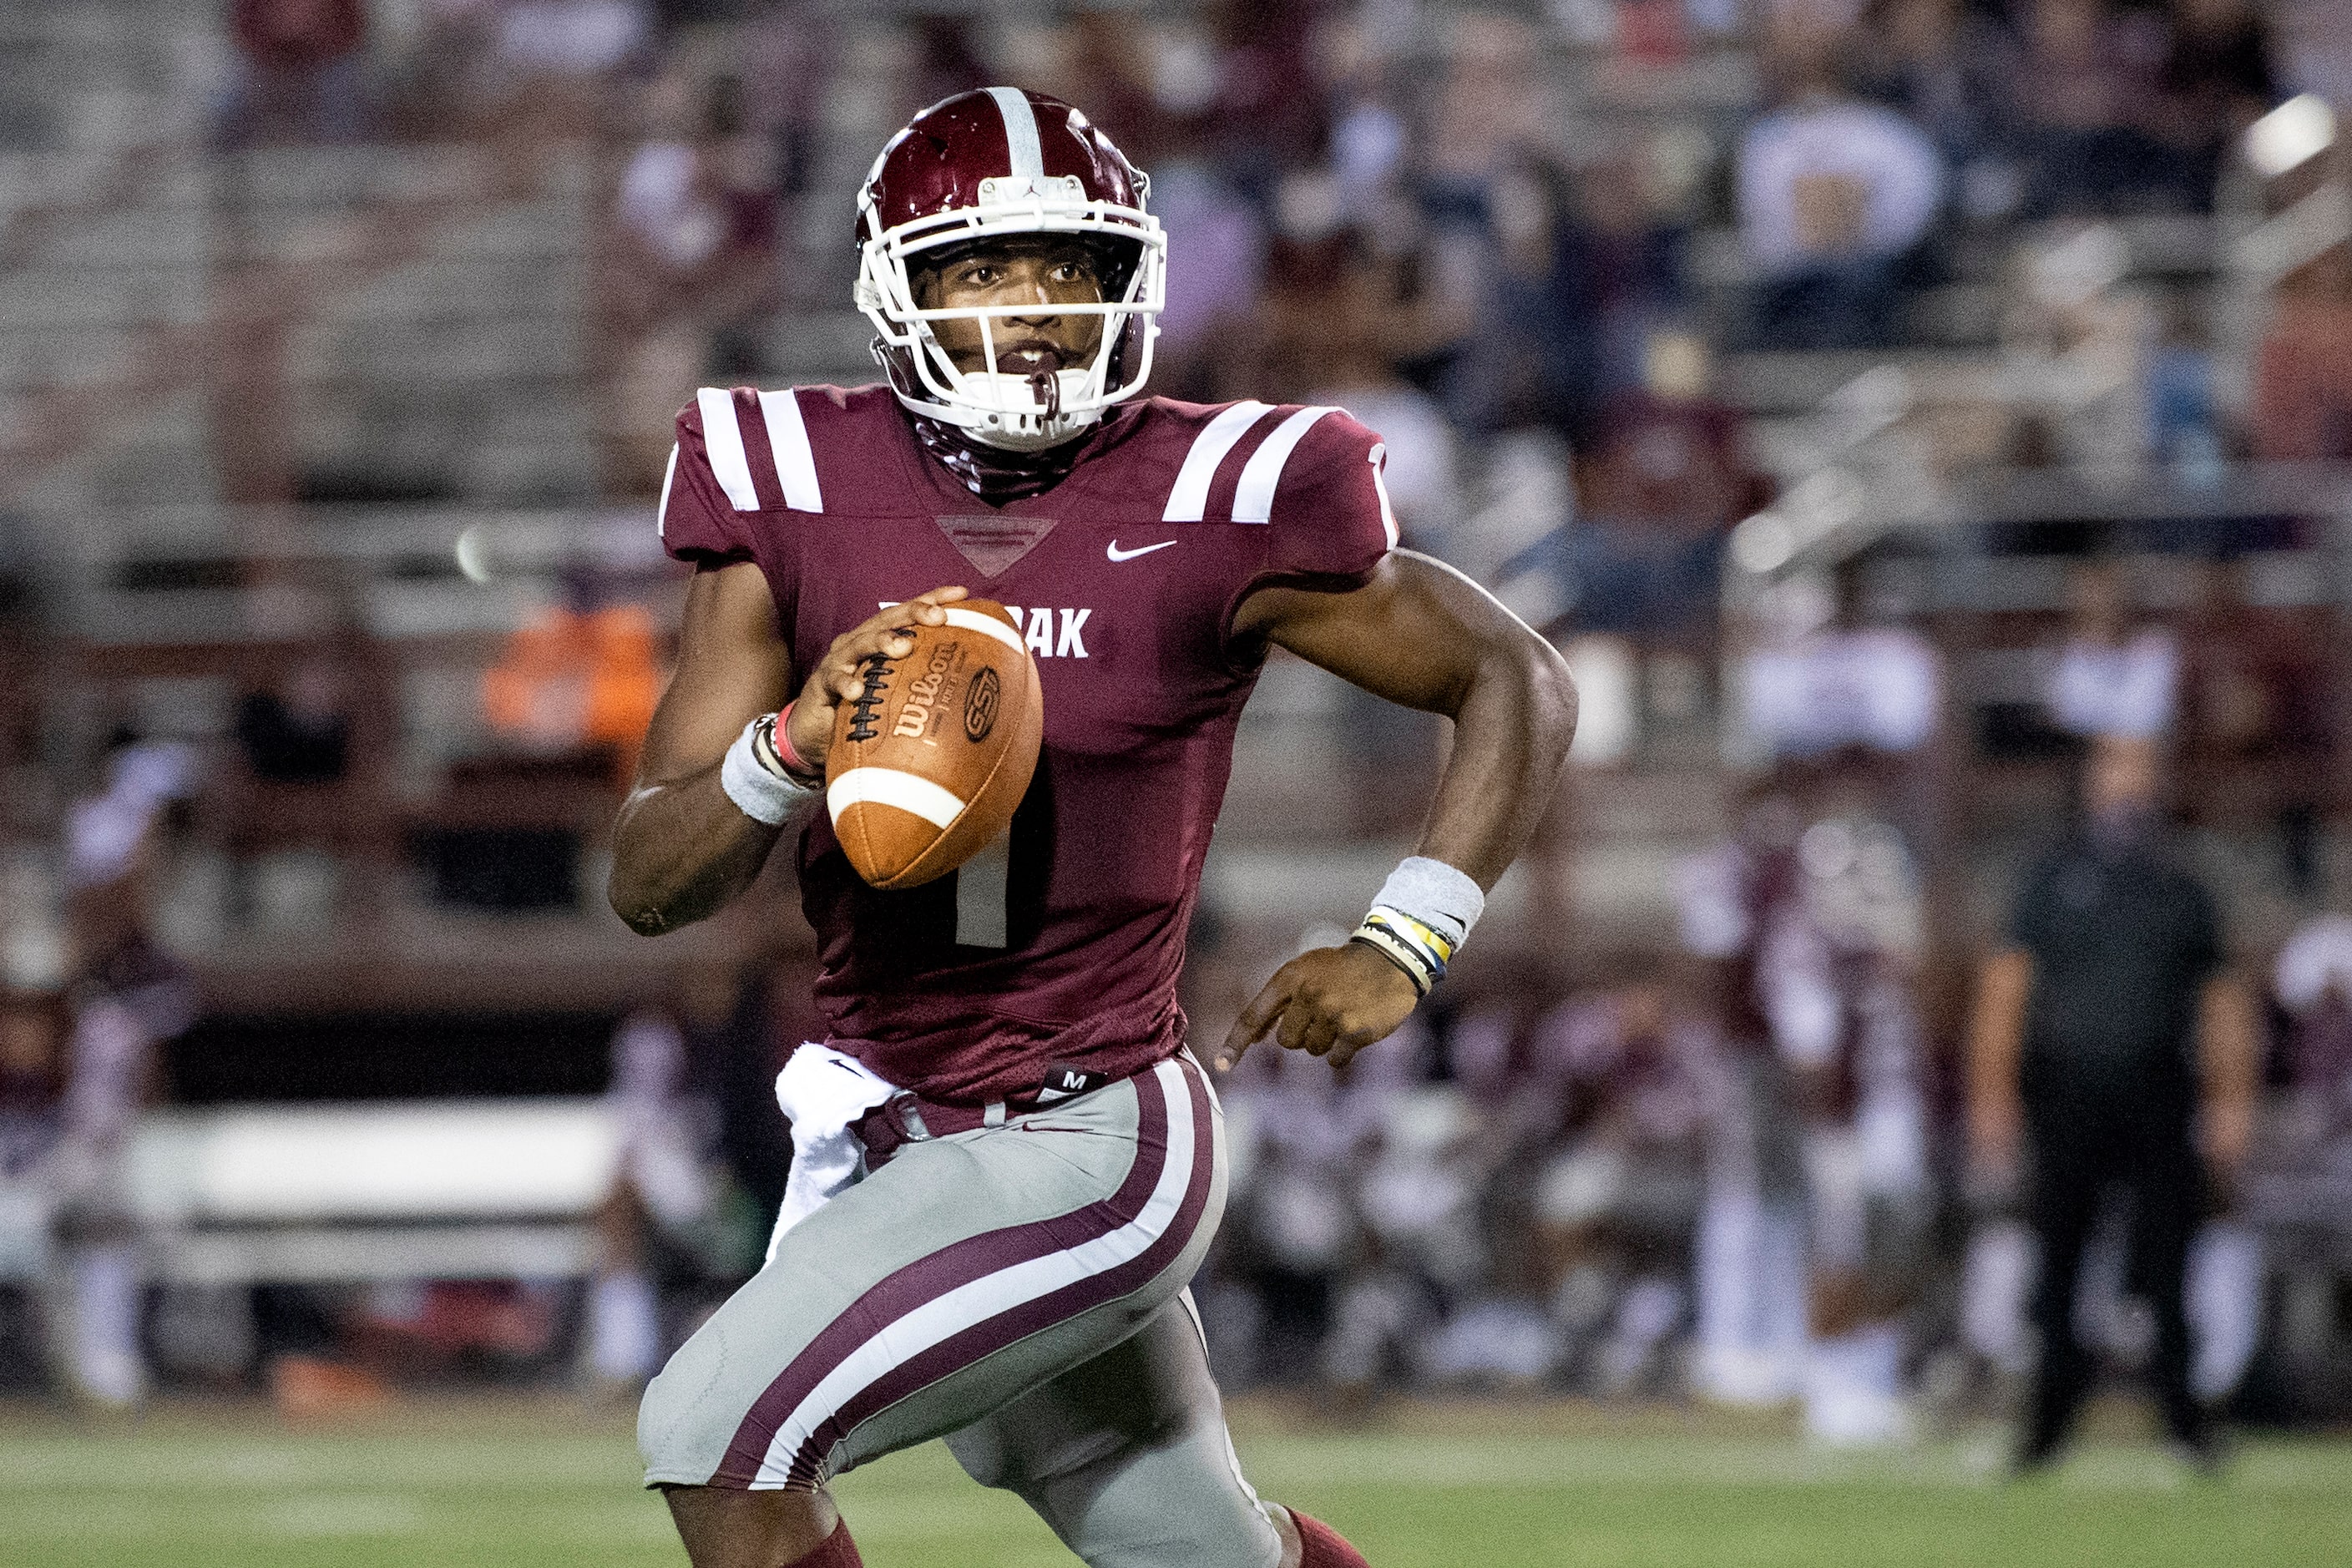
x=1883, y=404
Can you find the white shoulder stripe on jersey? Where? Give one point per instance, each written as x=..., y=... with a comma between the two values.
x=1019, y=131
x=1253, y=497
x=722, y=438
x=973, y=621
x=1190, y=500
x=909, y=792
x=795, y=459
x=1380, y=487
x=661, y=512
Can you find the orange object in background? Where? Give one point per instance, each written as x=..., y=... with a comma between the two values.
x=313, y=1387
x=576, y=679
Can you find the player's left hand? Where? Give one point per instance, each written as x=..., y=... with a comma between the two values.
x=1330, y=1002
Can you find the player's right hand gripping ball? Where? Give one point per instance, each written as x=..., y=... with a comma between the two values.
x=931, y=757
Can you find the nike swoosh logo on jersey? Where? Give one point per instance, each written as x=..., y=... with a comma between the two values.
x=1116, y=553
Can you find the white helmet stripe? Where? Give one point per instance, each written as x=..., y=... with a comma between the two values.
x=1019, y=131
x=1189, y=501
x=722, y=439
x=1253, y=497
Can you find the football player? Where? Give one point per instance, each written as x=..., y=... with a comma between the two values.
x=1038, y=1163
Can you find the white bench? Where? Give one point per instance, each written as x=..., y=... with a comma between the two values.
x=454, y=1190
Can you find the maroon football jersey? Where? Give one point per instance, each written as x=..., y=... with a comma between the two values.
x=1061, y=946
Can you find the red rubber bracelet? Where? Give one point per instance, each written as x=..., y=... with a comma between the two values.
x=784, y=752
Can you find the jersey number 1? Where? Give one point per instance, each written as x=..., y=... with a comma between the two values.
x=983, y=888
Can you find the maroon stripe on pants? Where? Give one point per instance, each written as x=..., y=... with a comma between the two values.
x=1016, y=1323
x=758, y=452
x=935, y=1275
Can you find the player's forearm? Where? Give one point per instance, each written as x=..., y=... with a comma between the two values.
x=1511, y=733
x=2230, y=1062
x=1996, y=1046
x=682, y=851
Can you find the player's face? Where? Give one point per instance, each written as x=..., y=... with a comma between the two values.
x=1040, y=273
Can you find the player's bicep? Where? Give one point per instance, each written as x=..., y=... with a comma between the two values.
x=732, y=667
x=1415, y=632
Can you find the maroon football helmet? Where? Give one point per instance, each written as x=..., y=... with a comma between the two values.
x=994, y=164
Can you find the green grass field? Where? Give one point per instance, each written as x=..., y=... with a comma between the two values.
x=524, y=1484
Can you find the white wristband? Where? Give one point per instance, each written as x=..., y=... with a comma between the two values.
x=1435, y=894
x=1424, y=910
x=759, y=790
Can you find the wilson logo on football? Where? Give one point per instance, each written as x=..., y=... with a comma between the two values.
x=924, y=693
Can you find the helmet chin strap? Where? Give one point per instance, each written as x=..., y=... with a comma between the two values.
x=1041, y=391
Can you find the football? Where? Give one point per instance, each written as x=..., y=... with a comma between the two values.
x=933, y=754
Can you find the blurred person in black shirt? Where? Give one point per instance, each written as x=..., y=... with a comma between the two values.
x=2112, y=1047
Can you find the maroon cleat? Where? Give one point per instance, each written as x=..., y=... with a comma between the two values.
x=1325, y=1547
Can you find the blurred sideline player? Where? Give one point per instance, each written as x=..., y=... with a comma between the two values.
x=1008, y=1163
x=1808, y=1255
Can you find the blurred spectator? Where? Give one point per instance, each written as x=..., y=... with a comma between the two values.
x=1418, y=468
x=1823, y=679
x=1951, y=70
x=1667, y=474
x=1216, y=260
x=2256, y=725
x=2215, y=80
x=122, y=1016
x=300, y=733
x=1493, y=104
x=578, y=678
x=2110, y=1046
x=2111, y=676
x=2185, y=427
x=1618, y=1197
x=301, y=72
x=2088, y=85
x=472, y=64
x=1837, y=977
x=1113, y=58
x=33, y=1028
x=1635, y=250
x=2303, y=372
x=661, y=1187
x=699, y=210
x=1517, y=541
x=1534, y=355
x=569, y=38
x=1343, y=1217
x=1833, y=193
x=1268, y=117
x=946, y=61
x=1369, y=147
x=307, y=777
x=736, y=1043
x=1750, y=1242
x=2312, y=982
x=111, y=838
x=129, y=996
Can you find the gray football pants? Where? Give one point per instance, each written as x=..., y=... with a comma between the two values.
x=1016, y=1288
